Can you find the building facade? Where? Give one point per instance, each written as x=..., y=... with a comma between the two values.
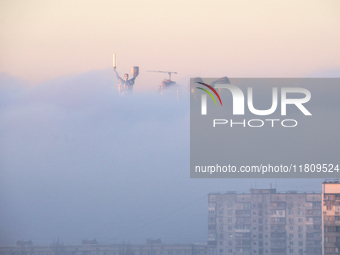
x=331, y=217
x=264, y=222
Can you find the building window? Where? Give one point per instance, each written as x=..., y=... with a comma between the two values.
x=291, y=251
x=300, y=243
x=300, y=235
x=246, y=206
x=318, y=227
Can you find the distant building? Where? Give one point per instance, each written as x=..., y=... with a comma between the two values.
x=331, y=217
x=264, y=222
x=107, y=249
x=22, y=242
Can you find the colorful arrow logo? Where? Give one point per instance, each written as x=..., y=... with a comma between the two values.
x=212, y=89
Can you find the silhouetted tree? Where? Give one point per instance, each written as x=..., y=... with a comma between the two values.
x=125, y=249
x=128, y=250
x=58, y=247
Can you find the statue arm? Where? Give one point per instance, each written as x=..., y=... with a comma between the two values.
x=117, y=75
x=132, y=81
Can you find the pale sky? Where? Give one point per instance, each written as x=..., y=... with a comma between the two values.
x=79, y=161
x=41, y=40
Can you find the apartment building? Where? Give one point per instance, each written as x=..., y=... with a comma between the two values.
x=264, y=222
x=331, y=217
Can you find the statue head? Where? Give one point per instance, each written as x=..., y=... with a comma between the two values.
x=126, y=77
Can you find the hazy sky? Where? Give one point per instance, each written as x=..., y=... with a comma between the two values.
x=45, y=39
x=78, y=161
